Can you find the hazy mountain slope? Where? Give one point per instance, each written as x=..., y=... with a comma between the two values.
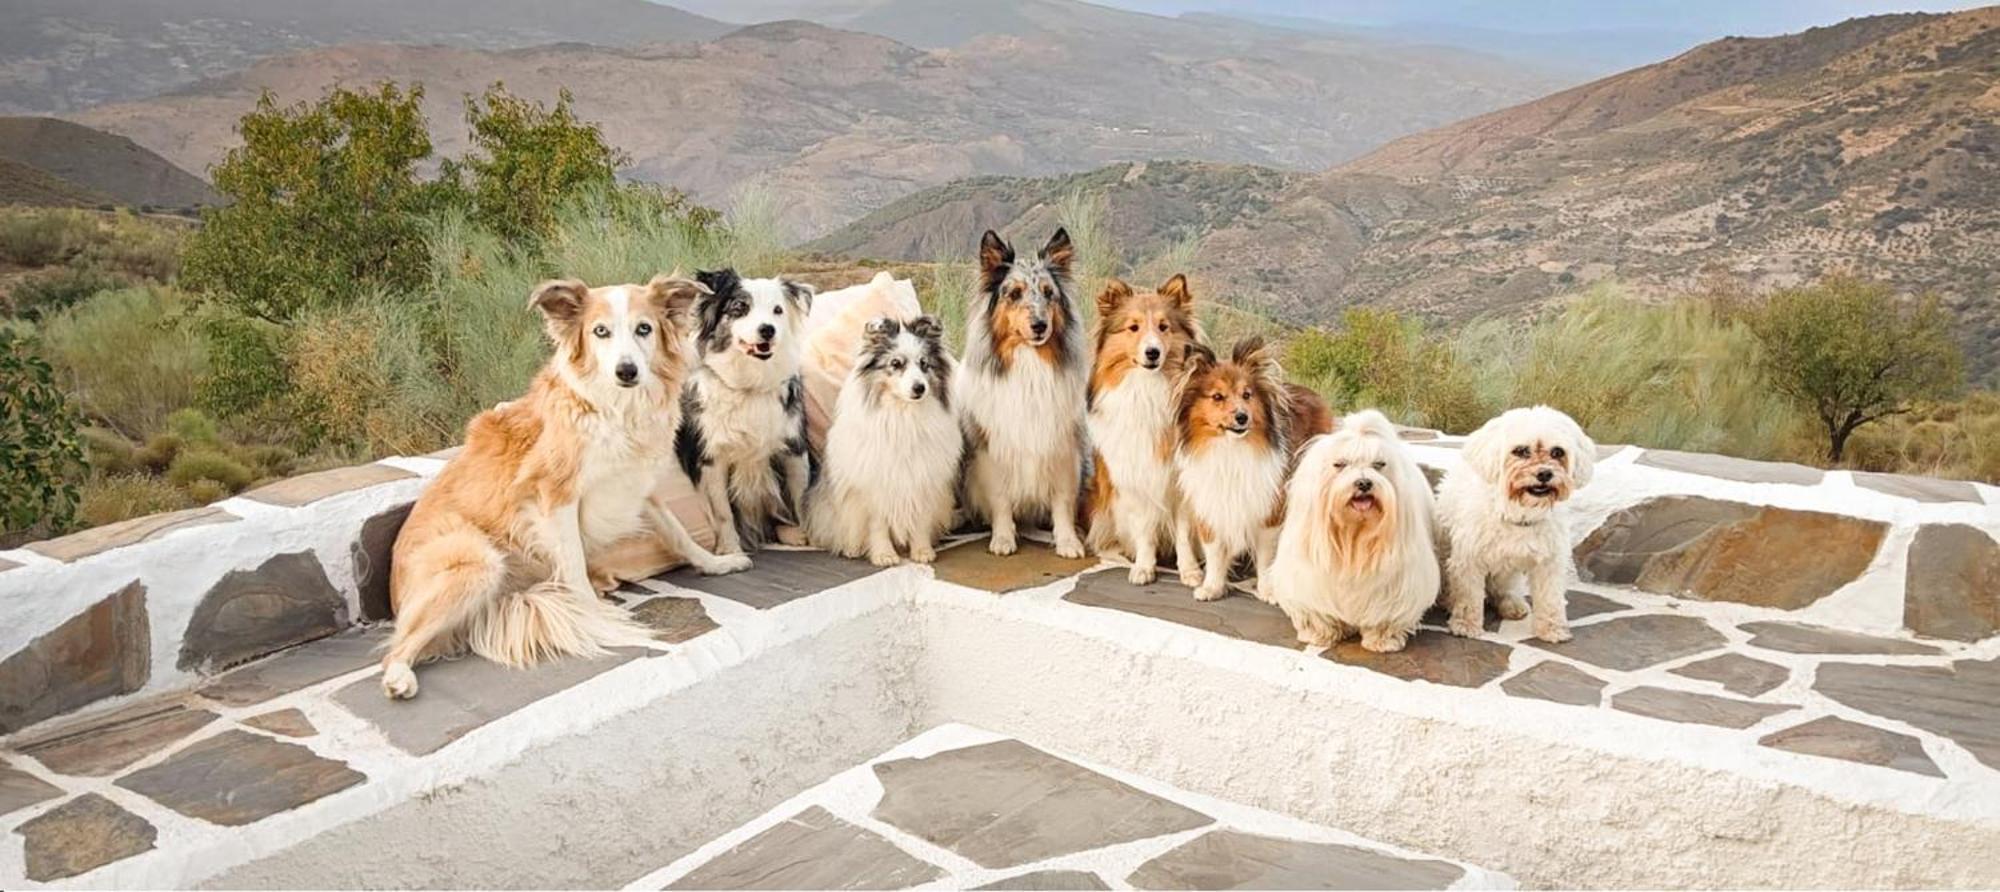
x=21, y=184
x=98, y=166
x=62, y=55
x=839, y=123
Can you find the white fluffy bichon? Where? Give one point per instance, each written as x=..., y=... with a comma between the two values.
x=1497, y=513
x=1355, y=552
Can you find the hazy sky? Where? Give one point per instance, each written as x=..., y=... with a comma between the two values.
x=1706, y=19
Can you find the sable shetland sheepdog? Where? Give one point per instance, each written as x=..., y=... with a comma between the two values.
x=742, y=437
x=893, y=453
x=1021, y=393
x=497, y=553
x=1142, y=340
x=1356, y=552
x=1238, y=424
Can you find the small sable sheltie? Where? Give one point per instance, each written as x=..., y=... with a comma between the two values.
x=497, y=554
x=742, y=437
x=1239, y=423
x=893, y=453
x=1356, y=552
x=1021, y=392
x=1142, y=341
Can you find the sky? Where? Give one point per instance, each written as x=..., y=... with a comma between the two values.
x=1704, y=19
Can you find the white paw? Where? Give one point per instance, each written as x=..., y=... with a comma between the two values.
x=1464, y=628
x=1512, y=607
x=1142, y=574
x=725, y=563
x=1207, y=592
x=399, y=681
x=1069, y=547
x=1552, y=632
x=884, y=558
x=1002, y=545
x=922, y=554
x=1264, y=592
x=1384, y=642
x=1191, y=576
x=791, y=535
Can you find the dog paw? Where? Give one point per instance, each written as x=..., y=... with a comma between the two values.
x=725, y=563
x=1264, y=591
x=1464, y=628
x=922, y=554
x=1384, y=642
x=1191, y=577
x=791, y=535
x=1206, y=592
x=1142, y=574
x=884, y=558
x=399, y=681
x=1002, y=545
x=1552, y=632
x=1512, y=607
x=1069, y=548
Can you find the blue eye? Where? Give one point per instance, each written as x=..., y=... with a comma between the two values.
x=601, y=331
x=645, y=328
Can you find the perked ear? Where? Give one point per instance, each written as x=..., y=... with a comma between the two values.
x=1250, y=351
x=1177, y=291
x=674, y=295
x=882, y=328
x=1058, y=252
x=560, y=301
x=994, y=254
x=1115, y=292
x=800, y=294
x=927, y=327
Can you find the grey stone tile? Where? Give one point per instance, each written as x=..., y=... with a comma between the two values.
x=1580, y=604
x=1230, y=859
x=371, y=550
x=1236, y=616
x=775, y=577
x=1035, y=564
x=288, y=722
x=76, y=546
x=305, y=489
x=1922, y=489
x=102, y=652
x=1005, y=804
x=1716, y=550
x=298, y=667
x=1955, y=701
x=1952, y=586
x=19, y=789
x=457, y=696
x=286, y=600
x=82, y=835
x=1727, y=468
x=1800, y=638
x=1050, y=880
x=1838, y=738
x=109, y=744
x=811, y=850
x=674, y=620
x=1736, y=673
x=237, y=777
x=1682, y=706
x=1433, y=656
x=1557, y=682
x=1626, y=643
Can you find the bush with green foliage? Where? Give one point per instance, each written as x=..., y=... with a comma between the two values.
x=1379, y=359
x=526, y=159
x=128, y=357
x=40, y=455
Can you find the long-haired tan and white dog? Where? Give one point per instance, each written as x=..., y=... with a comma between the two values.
x=1498, y=513
x=1142, y=340
x=1238, y=425
x=893, y=453
x=1356, y=551
x=1021, y=393
x=497, y=555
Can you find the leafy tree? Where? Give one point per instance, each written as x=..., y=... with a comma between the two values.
x=40, y=455
x=1851, y=353
x=324, y=203
x=527, y=159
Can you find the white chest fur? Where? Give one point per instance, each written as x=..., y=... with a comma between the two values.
x=1027, y=412
x=1127, y=425
x=1231, y=486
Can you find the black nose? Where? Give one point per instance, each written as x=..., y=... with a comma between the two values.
x=1545, y=475
x=1242, y=418
x=917, y=389
x=767, y=331
x=1364, y=485
x=1039, y=326
x=1152, y=354
x=627, y=372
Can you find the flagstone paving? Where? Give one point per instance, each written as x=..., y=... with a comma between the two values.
x=237, y=777
x=1229, y=859
x=970, y=564
x=1736, y=673
x=81, y=835
x=674, y=620
x=287, y=722
x=461, y=695
x=1634, y=642
x=110, y=744
x=775, y=577
x=1838, y=738
x=812, y=850
x=1557, y=682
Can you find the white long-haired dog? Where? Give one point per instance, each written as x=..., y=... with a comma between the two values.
x=1355, y=552
x=1498, y=513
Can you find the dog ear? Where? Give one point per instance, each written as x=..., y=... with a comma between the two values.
x=1177, y=291
x=1196, y=361
x=927, y=327
x=1582, y=452
x=560, y=302
x=800, y=293
x=994, y=254
x=1058, y=252
x=673, y=295
x=1115, y=292
x=1484, y=452
x=883, y=328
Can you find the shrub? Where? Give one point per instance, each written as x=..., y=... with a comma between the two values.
x=128, y=357
x=1382, y=360
x=125, y=496
x=158, y=453
x=40, y=456
x=526, y=159
x=209, y=464
x=246, y=364
x=42, y=237
x=41, y=296
x=203, y=491
x=107, y=451
x=193, y=427
x=366, y=380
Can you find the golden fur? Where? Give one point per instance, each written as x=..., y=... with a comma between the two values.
x=1128, y=324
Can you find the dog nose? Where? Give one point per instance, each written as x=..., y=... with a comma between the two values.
x=1364, y=485
x=767, y=331
x=1544, y=475
x=917, y=390
x=1242, y=418
x=1152, y=354
x=626, y=372
x=1039, y=327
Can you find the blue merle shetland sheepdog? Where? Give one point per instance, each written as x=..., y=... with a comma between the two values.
x=742, y=437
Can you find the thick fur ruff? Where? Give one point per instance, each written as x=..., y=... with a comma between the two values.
x=742, y=436
x=498, y=553
x=1499, y=512
x=893, y=453
x=1356, y=551
x=1021, y=394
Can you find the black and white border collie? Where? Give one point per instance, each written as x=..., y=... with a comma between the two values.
x=742, y=438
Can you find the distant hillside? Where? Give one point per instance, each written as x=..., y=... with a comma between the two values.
x=96, y=167
x=1871, y=146
x=65, y=55
x=21, y=184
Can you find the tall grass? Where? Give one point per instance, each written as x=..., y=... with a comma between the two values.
x=1096, y=261
x=948, y=291
x=129, y=357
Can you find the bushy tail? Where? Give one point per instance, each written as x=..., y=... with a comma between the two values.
x=548, y=621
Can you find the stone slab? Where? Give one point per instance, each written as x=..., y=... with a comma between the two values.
x=1801, y=638
x=1230, y=859
x=1682, y=706
x=1922, y=489
x=102, y=652
x=1433, y=656
x=112, y=743
x=1049, y=880
x=284, y=601
x=1236, y=616
x=236, y=778
x=1005, y=804
x=1035, y=564
x=1718, y=550
x=1580, y=604
x=287, y=722
x=1838, y=738
x=6, y=565
x=1952, y=586
x=457, y=696
x=1955, y=701
x=1556, y=682
x=96, y=540
x=1722, y=466
x=811, y=850
x=1738, y=674
x=775, y=577
x=674, y=620
x=298, y=667
x=371, y=551
x=19, y=789
x=1627, y=643
x=82, y=835
x=305, y=489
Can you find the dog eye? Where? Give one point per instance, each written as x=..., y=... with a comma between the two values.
x=895, y=365
x=1218, y=397
x=1248, y=394
x=1163, y=328
x=601, y=331
x=1133, y=327
x=644, y=329
x=1522, y=452
x=1380, y=465
x=1340, y=466
x=777, y=311
x=1557, y=453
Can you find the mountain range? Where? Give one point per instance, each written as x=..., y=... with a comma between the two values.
x=55, y=163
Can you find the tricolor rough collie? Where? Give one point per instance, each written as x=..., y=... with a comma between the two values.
x=1021, y=393
x=498, y=554
x=1239, y=423
x=1142, y=341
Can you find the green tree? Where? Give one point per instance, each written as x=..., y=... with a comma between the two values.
x=1851, y=353
x=324, y=204
x=527, y=159
x=40, y=456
